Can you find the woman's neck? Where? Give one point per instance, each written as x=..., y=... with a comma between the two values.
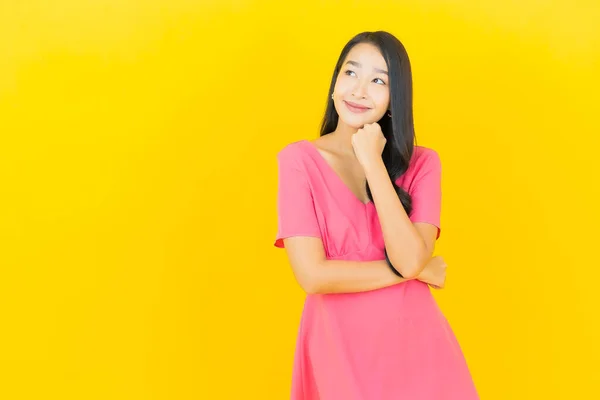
x=342, y=138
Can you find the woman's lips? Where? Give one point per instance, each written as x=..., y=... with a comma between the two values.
x=355, y=108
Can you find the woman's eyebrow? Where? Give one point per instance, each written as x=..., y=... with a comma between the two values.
x=356, y=64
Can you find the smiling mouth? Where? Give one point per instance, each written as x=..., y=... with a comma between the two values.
x=356, y=108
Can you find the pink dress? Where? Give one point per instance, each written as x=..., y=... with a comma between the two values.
x=387, y=344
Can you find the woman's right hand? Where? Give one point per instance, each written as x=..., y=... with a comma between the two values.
x=434, y=272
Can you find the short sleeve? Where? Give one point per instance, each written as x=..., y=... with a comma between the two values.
x=296, y=215
x=426, y=192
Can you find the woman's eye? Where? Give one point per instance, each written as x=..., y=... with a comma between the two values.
x=379, y=81
x=349, y=72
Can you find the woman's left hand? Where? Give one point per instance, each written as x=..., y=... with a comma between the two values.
x=368, y=143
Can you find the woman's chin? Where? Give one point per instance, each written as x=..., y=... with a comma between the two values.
x=355, y=121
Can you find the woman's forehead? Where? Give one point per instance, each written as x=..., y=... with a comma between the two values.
x=366, y=53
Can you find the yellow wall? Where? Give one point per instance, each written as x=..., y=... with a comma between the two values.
x=138, y=181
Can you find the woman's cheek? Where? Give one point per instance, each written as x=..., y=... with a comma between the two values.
x=383, y=97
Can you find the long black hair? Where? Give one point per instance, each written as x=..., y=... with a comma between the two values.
x=398, y=129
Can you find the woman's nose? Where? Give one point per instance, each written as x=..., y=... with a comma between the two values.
x=360, y=89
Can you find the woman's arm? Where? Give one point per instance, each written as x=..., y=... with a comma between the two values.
x=409, y=246
x=316, y=274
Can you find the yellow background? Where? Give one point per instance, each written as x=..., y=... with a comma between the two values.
x=138, y=182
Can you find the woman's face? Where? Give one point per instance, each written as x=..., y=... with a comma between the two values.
x=361, y=94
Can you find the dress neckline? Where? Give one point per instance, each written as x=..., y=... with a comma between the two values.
x=327, y=166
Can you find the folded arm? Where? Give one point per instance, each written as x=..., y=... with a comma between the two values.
x=315, y=274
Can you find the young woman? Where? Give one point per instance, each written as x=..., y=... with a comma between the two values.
x=359, y=215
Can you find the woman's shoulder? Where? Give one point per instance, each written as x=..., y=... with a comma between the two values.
x=424, y=157
x=423, y=161
x=292, y=152
x=291, y=148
